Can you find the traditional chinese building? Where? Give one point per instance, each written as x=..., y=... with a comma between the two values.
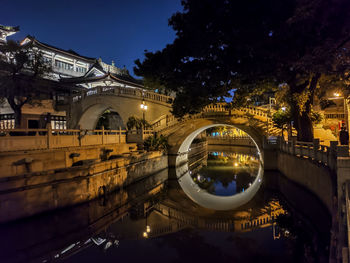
x=69, y=68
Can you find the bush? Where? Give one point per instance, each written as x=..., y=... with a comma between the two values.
x=137, y=123
x=156, y=143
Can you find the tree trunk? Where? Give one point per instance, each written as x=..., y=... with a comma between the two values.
x=304, y=127
x=18, y=117
x=302, y=121
x=17, y=109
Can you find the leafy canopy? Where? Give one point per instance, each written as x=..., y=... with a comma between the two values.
x=249, y=47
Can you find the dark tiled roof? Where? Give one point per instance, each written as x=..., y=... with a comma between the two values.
x=115, y=77
x=69, y=52
x=127, y=77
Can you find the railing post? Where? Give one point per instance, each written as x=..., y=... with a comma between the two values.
x=103, y=134
x=293, y=143
x=343, y=151
x=316, y=143
x=120, y=134
x=332, y=157
x=49, y=135
x=80, y=134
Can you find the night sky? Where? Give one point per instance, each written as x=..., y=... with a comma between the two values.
x=113, y=30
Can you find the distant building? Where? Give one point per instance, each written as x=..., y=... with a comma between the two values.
x=70, y=68
x=6, y=31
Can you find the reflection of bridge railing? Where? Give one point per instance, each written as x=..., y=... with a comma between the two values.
x=35, y=139
x=123, y=92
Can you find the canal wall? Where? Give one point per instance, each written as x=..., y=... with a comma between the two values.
x=54, y=236
x=36, y=192
x=22, y=162
x=312, y=175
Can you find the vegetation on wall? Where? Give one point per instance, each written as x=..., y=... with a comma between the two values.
x=156, y=143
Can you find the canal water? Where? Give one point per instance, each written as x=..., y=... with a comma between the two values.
x=158, y=220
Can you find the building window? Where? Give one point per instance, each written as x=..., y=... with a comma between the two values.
x=58, y=122
x=7, y=121
x=80, y=69
x=63, y=65
x=47, y=60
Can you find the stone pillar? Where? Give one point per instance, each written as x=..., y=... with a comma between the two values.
x=49, y=135
x=332, y=157
x=293, y=143
x=316, y=143
x=343, y=150
x=103, y=134
x=343, y=175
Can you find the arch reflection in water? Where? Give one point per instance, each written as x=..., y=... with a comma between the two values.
x=198, y=187
x=224, y=173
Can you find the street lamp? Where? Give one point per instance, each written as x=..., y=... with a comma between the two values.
x=143, y=108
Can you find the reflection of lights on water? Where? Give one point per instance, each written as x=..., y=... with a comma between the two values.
x=200, y=178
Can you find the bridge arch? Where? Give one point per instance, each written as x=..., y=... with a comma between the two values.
x=180, y=152
x=87, y=110
x=90, y=117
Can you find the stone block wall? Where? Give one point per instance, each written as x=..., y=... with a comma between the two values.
x=33, y=193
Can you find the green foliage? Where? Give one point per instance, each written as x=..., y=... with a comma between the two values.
x=156, y=143
x=281, y=118
x=252, y=47
x=22, y=69
x=136, y=123
x=316, y=117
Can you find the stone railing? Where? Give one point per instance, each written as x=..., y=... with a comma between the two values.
x=38, y=139
x=219, y=109
x=123, y=92
x=138, y=136
x=326, y=155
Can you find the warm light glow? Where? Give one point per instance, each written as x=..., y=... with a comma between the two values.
x=145, y=234
x=283, y=108
x=148, y=229
x=235, y=164
x=143, y=106
x=336, y=94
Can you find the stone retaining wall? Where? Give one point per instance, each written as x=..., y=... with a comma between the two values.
x=33, y=193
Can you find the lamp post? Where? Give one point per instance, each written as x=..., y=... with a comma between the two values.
x=143, y=108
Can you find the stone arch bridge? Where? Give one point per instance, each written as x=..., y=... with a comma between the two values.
x=84, y=109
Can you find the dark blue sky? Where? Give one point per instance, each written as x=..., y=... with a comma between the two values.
x=113, y=30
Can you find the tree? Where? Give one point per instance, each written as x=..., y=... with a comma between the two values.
x=137, y=123
x=21, y=72
x=251, y=47
x=281, y=118
x=156, y=143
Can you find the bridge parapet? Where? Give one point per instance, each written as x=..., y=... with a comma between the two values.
x=122, y=91
x=219, y=110
x=326, y=155
x=37, y=139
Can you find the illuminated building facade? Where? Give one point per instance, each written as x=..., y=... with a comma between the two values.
x=68, y=68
